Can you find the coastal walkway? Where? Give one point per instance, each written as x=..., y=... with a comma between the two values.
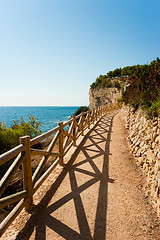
x=97, y=195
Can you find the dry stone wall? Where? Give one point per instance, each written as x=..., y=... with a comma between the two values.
x=144, y=143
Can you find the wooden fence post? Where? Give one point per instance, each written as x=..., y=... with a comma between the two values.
x=96, y=114
x=82, y=123
x=89, y=119
x=61, y=143
x=74, y=131
x=27, y=172
x=93, y=116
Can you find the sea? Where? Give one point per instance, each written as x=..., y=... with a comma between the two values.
x=47, y=116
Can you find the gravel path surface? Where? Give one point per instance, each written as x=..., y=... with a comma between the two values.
x=98, y=195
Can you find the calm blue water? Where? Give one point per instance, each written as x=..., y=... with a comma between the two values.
x=47, y=116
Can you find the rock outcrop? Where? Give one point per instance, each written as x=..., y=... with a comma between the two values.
x=107, y=95
x=144, y=143
x=102, y=95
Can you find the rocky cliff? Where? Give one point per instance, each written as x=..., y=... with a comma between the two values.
x=103, y=95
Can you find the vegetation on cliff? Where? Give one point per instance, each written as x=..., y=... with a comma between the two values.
x=104, y=81
x=80, y=110
x=144, y=88
x=143, y=85
x=9, y=137
x=109, y=80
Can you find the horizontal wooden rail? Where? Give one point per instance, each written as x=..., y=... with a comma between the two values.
x=11, y=154
x=44, y=153
x=68, y=122
x=12, y=198
x=65, y=135
x=43, y=136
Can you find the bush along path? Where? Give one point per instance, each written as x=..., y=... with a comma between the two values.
x=97, y=195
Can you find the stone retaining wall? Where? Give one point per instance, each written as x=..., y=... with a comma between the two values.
x=144, y=143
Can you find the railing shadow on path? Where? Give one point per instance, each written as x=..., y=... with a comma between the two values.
x=41, y=218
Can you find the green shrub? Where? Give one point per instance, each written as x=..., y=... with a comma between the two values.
x=80, y=110
x=117, y=84
x=9, y=137
x=109, y=84
x=120, y=99
x=154, y=110
x=144, y=88
x=135, y=106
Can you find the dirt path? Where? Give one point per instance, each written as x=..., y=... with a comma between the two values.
x=98, y=195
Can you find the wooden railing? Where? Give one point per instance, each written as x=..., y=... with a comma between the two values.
x=22, y=156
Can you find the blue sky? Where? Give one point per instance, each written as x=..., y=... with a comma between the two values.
x=52, y=50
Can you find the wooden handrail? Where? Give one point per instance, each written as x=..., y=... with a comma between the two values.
x=66, y=139
x=44, y=135
x=13, y=198
x=44, y=153
x=11, y=154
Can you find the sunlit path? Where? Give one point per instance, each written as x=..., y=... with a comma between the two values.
x=96, y=195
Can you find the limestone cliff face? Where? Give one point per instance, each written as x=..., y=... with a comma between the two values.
x=103, y=95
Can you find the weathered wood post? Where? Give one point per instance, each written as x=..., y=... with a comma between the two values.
x=61, y=143
x=93, y=116
x=96, y=114
x=27, y=172
x=89, y=119
x=102, y=110
x=105, y=108
x=74, y=131
x=82, y=122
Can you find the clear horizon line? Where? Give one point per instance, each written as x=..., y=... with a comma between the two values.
x=41, y=105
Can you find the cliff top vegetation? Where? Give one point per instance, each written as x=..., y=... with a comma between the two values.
x=109, y=80
x=104, y=81
x=144, y=88
x=119, y=75
x=143, y=85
